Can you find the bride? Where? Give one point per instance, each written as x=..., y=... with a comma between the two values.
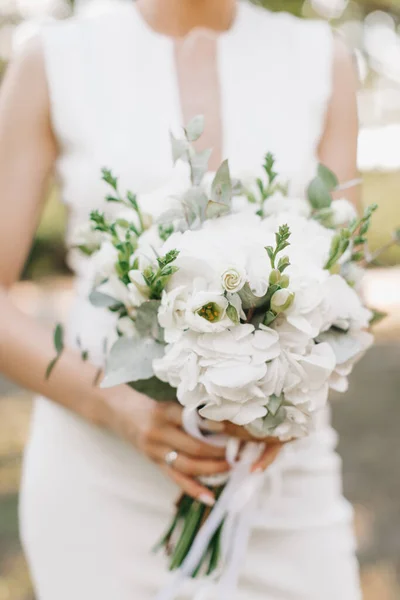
x=104, y=467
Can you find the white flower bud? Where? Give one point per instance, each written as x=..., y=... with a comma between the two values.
x=147, y=220
x=282, y=300
x=284, y=282
x=342, y=212
x=138, y=280
x=275, y=277
x=233, y=280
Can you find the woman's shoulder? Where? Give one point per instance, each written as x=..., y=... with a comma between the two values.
x=287, y=30
x=87, y=25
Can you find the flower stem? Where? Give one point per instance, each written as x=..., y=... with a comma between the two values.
x=191, y=526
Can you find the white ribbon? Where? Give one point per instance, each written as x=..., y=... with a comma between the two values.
x=236, y=504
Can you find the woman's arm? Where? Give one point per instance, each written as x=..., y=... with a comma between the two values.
x=27, y=154
x=338, y=147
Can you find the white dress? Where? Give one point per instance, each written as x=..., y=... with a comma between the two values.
x=91, y=506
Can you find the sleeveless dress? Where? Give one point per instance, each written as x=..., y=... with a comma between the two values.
x=91, y=506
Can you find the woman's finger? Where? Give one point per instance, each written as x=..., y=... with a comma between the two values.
x=169, y=412
x=182, y=442
x=268, y=456
x=187, y=465
x=190, y=486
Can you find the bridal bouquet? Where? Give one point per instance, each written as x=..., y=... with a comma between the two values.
x=240, y=301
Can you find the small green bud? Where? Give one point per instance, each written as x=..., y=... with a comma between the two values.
x=283, y=263
x=284, y=282
x=275, y=277
x=282, y=300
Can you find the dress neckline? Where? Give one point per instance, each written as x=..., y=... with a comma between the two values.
x=145, y=25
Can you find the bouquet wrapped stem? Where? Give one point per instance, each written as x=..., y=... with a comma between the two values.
x=190, y=515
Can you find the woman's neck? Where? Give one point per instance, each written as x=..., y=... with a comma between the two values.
x=177, y=18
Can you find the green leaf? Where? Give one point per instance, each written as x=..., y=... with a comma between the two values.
x=131, y=359
x=109, y=178
x=250, y=300
x=195, y=128
x=269, y=318
x=274, y=404
x=59, y=338
x=147, y=320
x=319, y=194
x=102, y=300
x=221, y=188
x=232, y=313
x=51, y=366
x=283, y=263
x=180, y=149
x=154, y=388
x=112, y=199
x=199, y=165
x=377, y=316
x=270, y=252
x=216, y=209
x=328, y=177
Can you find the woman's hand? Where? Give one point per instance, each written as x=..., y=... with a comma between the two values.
x=156, y=430
x=271, y=450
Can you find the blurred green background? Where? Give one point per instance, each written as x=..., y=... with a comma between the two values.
x=368, y=418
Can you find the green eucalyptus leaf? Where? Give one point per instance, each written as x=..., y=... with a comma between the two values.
x=180, y=149
x=221, y=188
x=131, y=359
x=155, y=388
x=274, y=404
x=199, y=165
x=51, y=366
x=328, y=177
x=250, y=300
x=237, y=187
x=319, y=194
x=147, y=320
x=59, y=338
x=216, y=209
x=101, y=300
x=195, y=128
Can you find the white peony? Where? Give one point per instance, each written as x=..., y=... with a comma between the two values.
x=348, y=349
x=345, y=309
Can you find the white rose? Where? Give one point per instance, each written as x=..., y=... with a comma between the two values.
x=233, y=279
x=343, y=212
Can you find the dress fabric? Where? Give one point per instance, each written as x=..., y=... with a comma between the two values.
x=91, y=506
